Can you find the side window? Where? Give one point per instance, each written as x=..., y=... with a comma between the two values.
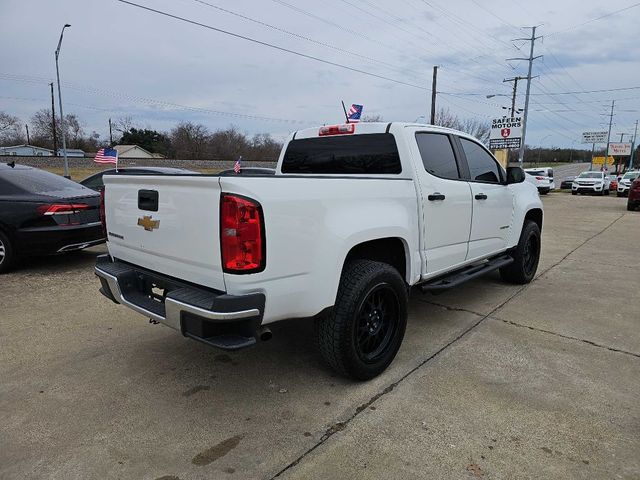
x=482, y=165
x=437, y=155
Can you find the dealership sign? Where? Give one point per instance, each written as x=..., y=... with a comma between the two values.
x=620, y=149
x=594, y=137
x=506, y=132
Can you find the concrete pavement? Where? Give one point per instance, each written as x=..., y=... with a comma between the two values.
x=493, y=380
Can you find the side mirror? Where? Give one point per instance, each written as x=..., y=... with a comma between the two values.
x=515, y=175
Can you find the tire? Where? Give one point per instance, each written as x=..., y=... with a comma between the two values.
x=630, y=207
x=362, y=335
x=573, y=192
x=7, y=254
x=526, y=256
x=607, y=192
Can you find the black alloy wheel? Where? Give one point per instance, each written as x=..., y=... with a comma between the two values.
x=377, y=322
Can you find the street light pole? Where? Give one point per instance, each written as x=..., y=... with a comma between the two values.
x=64, y=140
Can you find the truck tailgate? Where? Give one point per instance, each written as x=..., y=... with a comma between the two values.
x=177, y=235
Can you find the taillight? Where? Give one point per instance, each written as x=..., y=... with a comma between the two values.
x=337, y=129
x=62, y=208
x=241, y=234
x=103, y=217
x=539, y=178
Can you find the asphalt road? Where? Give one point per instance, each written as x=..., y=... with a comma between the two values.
x=493, y=380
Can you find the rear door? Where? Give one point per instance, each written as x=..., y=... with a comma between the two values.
x=492, y=201
x=446, y=201
x=166, y=223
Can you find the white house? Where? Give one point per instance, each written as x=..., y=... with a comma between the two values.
x=134, y=151
x=72, y=152
x=26, y=151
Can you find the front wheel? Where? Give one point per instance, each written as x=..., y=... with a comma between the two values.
x=607, y=192
x=526, y=256
x=362, y=335
x=573, y=192
x=7, y=255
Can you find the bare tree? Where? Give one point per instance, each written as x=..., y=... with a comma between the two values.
x=373, y=118
x=477, y=128
x=10, y=129
x=190, y=140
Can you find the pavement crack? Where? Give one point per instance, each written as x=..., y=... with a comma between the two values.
x=341, y=425
x=450, y=308
x=568, y=337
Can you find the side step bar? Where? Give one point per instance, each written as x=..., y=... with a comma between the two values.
x=468, y=273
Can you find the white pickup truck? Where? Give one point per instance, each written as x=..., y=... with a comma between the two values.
x=353, y=217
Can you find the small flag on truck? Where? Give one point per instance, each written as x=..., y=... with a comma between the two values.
x=107, y=155
x=237, y=167
x=354, y=113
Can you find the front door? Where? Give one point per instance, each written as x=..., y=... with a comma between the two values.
x=446, y=202
x=492, y=202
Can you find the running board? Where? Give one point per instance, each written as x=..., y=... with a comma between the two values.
x=468, y=273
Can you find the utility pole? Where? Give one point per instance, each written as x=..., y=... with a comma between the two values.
x=515, y=90
x=433, y=94
x=64, y=140
x=530, y=59
x=28, y=139
x=53, y=123
x=633, y=146
x=110, y=135
x=606, y=152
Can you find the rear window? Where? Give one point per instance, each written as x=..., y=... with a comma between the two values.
x=41, y=183
x=375, y=153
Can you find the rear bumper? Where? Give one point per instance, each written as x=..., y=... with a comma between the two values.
x=220, y=320
x=48, y=240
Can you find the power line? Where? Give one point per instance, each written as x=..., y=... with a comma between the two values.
x=270, y=45
x=604, y=90
x=96, y=91
x=303, y=37
x=573, y=27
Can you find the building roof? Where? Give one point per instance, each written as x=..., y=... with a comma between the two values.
x=122, y=149
x=25, y=145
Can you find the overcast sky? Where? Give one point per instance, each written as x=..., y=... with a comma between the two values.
x=120, y=60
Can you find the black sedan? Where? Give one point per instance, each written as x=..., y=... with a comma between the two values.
x=566, y=183
x=42, y=213
x=95, y=181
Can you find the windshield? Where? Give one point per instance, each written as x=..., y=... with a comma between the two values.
x=590, y=175
x=630, y=175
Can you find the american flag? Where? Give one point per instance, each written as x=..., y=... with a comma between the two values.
x=237, y=166
x=107, y=155
x=354, y=113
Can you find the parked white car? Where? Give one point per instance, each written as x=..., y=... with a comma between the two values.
x=542, y=183
x=625, y=182
x=354, y=216
x=595, y=183
x=547, y=173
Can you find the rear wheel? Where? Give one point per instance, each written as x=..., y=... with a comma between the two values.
x=526, y=256
x=607, y=192
x=7, y=255
x=362, y=335
x=573, y=192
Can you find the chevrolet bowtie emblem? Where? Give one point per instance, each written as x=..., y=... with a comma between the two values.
x=148, y=224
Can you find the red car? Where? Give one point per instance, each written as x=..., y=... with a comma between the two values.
x=614, y=183
x=633, y=201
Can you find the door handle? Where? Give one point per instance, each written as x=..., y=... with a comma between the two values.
x=481, y=196
x=435, y=196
